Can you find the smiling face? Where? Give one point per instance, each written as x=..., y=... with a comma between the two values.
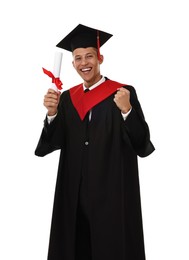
x=87, y=65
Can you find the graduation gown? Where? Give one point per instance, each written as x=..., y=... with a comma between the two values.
x=103, y=157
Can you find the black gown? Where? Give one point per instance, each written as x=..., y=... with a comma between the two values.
x=97, y=189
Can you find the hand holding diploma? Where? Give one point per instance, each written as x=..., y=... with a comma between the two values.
x=51, y=101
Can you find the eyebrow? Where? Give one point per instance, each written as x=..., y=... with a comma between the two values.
x=88, y=53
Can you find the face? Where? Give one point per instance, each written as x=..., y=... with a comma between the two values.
x=87, y=65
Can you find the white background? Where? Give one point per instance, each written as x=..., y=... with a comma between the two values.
x=149, y=50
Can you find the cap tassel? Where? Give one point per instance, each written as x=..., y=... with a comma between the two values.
x=98, y=45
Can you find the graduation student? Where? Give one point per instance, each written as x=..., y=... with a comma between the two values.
x=100, y=133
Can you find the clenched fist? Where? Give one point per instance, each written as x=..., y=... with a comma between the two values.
x=122, y=100
x=51, y=100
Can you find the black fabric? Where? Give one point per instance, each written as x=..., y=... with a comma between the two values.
x=83, y=233
x=82, y=37
x=102, y=176
x=83, y=236
x=87, y=115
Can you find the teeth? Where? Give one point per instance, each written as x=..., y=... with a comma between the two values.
x=87, y=69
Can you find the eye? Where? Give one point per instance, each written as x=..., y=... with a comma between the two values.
x=89, y=56
x=77, y=58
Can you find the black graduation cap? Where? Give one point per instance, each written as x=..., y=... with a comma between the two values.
x=82, y=37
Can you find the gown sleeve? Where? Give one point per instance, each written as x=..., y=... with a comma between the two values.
x=52, y=135
x=136, y=129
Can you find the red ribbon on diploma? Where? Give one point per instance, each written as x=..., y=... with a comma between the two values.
x=56, y=81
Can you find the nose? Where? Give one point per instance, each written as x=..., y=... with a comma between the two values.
x=83, y=61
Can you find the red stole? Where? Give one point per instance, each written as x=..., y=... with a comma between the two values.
x=83, y=102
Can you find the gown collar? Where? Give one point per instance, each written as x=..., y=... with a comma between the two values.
x=83, y=102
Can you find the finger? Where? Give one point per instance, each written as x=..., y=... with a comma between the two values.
x=51, y=96
x=49, y=104
x=119, y=94
x=50, y=90
x=121, y=90
x=52, y=100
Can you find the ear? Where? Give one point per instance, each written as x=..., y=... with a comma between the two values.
x=101, y=59
x=73, y=64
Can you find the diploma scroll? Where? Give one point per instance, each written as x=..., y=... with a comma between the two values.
x=57, y=68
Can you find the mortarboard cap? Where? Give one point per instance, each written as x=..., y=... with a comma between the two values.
x=82, y=37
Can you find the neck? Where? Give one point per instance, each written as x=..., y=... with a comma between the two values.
x=88, y=84
x=95, y=84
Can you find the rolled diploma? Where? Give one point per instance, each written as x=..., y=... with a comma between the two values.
x=57, y=67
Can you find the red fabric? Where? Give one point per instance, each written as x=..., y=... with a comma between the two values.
x=83, y=102
x=56, y=81
x=98, y=45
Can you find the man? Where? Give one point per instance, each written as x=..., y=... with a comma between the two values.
x=97, y=209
